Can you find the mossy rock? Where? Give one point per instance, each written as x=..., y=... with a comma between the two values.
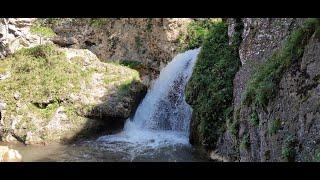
x=53, y=84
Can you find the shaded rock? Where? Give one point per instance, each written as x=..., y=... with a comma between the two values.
x=64, y=41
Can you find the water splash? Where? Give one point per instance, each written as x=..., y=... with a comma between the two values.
x=162, y=119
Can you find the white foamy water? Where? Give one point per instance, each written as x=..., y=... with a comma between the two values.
x=162, y=119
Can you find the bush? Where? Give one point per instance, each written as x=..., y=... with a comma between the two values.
x=98, y=22
x=210, y=88
x=254, y=119
x=41, y=30
x=131, y=64
x=274, y=127
x=197, y=32
x=245, y=142
x=288, y=152
x=317, y=155
x=263, y=85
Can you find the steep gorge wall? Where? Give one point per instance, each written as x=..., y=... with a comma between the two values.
x=287, y=128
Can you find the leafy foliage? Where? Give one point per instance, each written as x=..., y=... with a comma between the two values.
x=197, y=32
x=210, y=88
x=254, y=119
x=274, y=127
x=288, y=152
x=40, y=29
x=245, y=142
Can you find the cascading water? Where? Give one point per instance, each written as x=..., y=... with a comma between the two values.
x=162, y=119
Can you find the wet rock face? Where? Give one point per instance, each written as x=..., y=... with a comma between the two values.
x=288, y=127
x=151, y=41
x=174, y=109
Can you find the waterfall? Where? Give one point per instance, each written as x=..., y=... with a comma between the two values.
x=164, y=107
x=163, y=117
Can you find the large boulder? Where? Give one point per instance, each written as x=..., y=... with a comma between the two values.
x=77, y=96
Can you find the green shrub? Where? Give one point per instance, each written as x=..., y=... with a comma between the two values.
x=288, y=152
x=149, y=25
x=41, y=30
x=317, y=155
x=254, y=119
x=233, y=126
x=263, y=85
x=210, y=88
x=245, y=142
x=197, y=32
x=274, y=127
x=98, y=22
x=138, y=42
x=131, y=64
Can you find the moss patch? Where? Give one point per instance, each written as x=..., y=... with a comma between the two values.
x=41, y=29
x=210, y=89
x=288, y=151
x=197, y=32
x=263, y=85
x=245, y=142
x=274, y=126
x=254, y=118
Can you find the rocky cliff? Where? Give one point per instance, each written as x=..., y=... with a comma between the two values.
x=152, y=42
x=280, y=62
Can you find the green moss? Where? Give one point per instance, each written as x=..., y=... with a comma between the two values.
x=4, y=65
x=288, y=152
x=263, y=85
x=197, y=32
x=233, y=126
x=245, y=142
x=138, y=42
x=131, y=64
x=45, y=112
x=274, y=126
x=210, y=88
x=317, y=155
x=254, y=118
x=98, y=22
x=41, y=30
x=149, y=25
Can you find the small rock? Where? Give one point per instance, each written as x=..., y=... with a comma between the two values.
x=17, y=95
x=2, y=105
x=32, y=139
x=5, y=76
x=9, y=155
